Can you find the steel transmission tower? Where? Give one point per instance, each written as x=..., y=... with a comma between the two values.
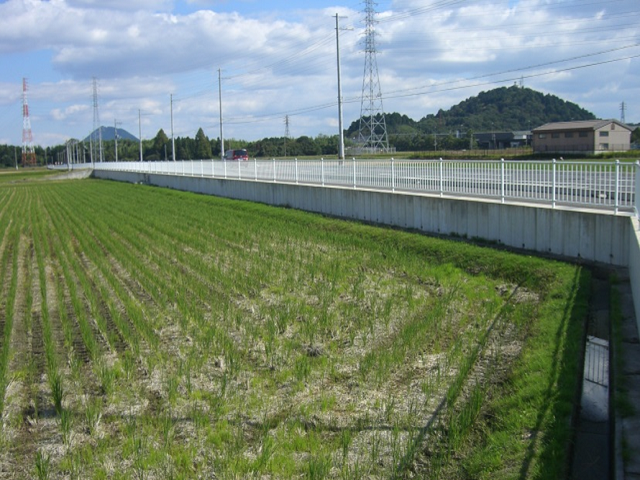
x=28, y=153
x=96, y=149
x=373, y=129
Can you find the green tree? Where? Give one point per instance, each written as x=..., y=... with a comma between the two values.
x=160, y=142
x=203, y=146
x=307, y=146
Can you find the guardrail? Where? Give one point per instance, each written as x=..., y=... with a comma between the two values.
x=612, y=186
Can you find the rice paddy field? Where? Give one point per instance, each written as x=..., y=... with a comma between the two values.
x=151, y=334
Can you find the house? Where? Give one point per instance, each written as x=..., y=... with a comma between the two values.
x=589, y=136
x=500, y=140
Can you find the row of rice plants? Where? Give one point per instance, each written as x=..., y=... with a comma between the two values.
x=83, y=345
x=150, y=275
x=54, y=376
x=192, y=299
x=71, y=297
x=86, y=314
x=466, y=393
x=131, y=324
x=91, y=257
x=322, y=292
x=119, y=374
x=258, y=341
x=11, y=230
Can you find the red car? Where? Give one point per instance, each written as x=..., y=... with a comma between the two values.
x=240, y=155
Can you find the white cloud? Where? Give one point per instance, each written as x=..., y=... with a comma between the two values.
x=141, y=51
x=73, y=110
x=151, y=5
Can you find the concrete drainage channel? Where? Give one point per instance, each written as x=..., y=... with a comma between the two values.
x=592, y=446
x=626, y=361
x=606, y=445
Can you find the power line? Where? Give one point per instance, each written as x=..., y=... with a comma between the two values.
x=529, y=67
x=533, y=75
x=436, y=88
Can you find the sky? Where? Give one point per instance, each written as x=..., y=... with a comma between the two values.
x=273, y=63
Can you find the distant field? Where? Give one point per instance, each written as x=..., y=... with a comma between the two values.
x=11, y=175
x=148, y=333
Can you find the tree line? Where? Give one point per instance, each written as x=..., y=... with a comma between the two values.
x=502, y=109
x=161, y=147
x=202, y=147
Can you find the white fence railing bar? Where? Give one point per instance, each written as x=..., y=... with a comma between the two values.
x=611, y=186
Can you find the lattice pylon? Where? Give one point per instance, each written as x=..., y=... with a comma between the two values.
x=28, y=152
x=372, y=131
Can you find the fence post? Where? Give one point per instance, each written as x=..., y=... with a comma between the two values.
x=553, y=184
x=502, y=180
x=239, y=174
x=213, y=168
x=354, y=172
x=441, y=177
x=296, y=160
x=255, y=167
x=616, y=203
x=274, y=169
x=225, y=168
x=322, y=170
x=393, y=176
x=637, y=193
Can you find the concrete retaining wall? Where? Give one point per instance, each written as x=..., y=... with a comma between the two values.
x=578, y=234
x=634, y=265
x=600, y=237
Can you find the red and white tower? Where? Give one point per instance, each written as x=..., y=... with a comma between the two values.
x=28, y=153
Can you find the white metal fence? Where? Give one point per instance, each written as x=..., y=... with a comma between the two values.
x=612, y=186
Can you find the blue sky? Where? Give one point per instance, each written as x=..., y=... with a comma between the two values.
x=278, y=58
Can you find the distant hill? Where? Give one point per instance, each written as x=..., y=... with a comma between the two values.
x=109, y=134
x=502, y=109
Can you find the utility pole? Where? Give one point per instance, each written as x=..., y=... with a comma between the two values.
x=96, y=124
x=340, y=127
x=220, y=102
x=173, y=141
x=286, y=133
x=140, y=133
x=115, y=135
x=623, y=107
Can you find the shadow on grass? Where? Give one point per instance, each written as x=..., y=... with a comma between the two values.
x=562, y=389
